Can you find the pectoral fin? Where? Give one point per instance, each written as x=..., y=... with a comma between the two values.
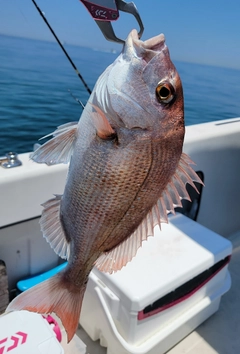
x=101, y=123
x=59, y=148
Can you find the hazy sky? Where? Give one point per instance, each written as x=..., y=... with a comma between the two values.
x=197, y=31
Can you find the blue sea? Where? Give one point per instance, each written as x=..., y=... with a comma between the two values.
x=37, y=83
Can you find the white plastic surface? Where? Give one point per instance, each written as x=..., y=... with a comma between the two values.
x=23, y=332
x=181, y=251
x=164, y=339
x=214, y=147
x=23, y=189
x=178, y=252
x=75, y=346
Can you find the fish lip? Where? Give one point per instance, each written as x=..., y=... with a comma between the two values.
x=155, y=43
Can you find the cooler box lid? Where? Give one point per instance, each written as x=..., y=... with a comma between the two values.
x=177, y=253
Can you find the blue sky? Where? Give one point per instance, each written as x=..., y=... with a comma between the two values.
x=205, y=32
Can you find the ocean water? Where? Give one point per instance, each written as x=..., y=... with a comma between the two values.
x=36, y=82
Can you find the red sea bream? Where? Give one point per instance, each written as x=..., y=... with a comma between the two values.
x=127, y=171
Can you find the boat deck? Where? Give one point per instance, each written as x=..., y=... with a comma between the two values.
x=219, y=334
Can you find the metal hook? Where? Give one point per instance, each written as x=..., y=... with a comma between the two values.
x=106, y=11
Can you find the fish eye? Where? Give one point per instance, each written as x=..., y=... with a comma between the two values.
x=164, y=92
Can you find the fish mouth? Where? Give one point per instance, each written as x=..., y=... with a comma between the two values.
x=155, y=44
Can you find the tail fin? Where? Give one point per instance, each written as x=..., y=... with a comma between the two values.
x=53, y=295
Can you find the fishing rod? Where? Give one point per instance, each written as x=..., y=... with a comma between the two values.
x=62, y=47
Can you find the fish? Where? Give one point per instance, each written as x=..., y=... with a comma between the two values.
x=127, y=171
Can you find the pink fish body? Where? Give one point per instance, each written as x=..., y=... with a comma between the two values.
x=127, y=171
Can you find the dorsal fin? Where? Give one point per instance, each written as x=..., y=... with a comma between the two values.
x=59, y=148
x=119, y=256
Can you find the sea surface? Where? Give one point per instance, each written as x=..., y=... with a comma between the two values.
x=37, y=85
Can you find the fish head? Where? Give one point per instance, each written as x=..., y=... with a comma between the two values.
x=142, y=88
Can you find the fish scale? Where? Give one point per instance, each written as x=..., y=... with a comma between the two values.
x=105, y=204
x=158, y=176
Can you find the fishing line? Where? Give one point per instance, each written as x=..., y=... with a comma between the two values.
x=76, y=99
x=20, y=10
x=62, y=47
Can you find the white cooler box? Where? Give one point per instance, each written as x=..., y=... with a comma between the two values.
x=173, y=284
x=23, y=332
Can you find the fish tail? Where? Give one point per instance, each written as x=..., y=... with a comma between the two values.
x=53, y=295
